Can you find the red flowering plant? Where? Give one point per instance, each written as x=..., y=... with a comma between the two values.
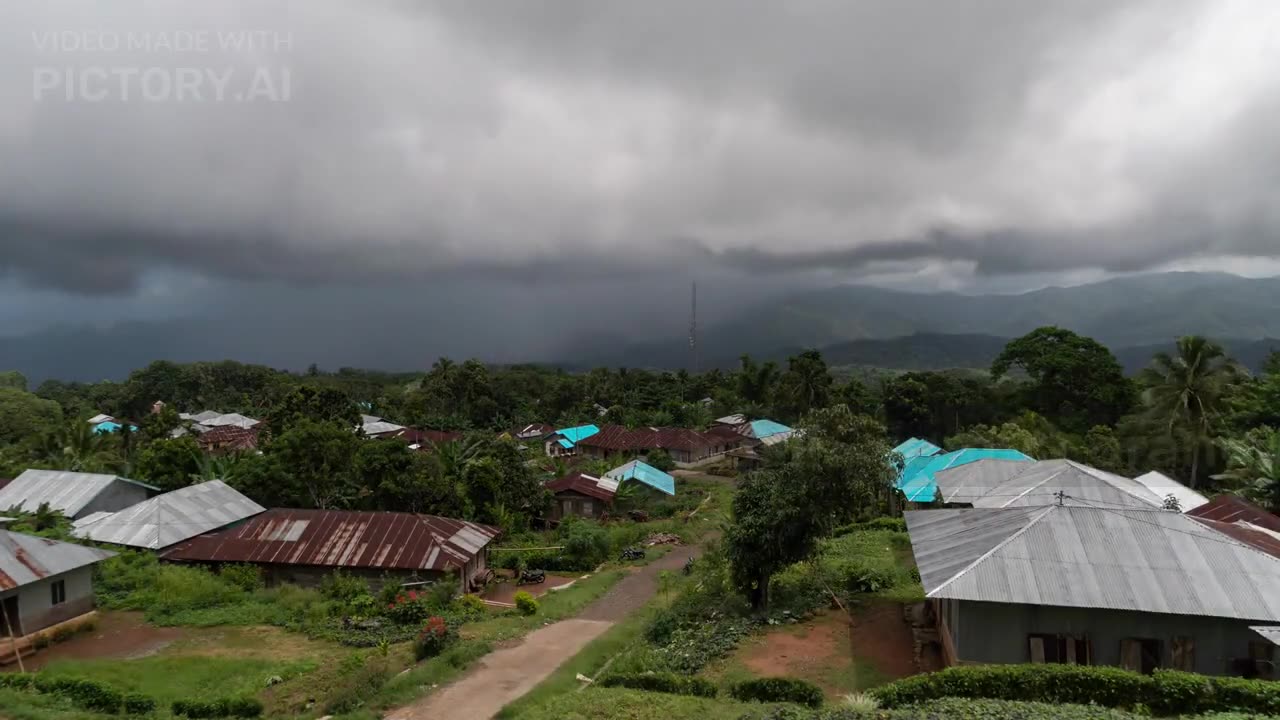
x=409, y=608
x=434, y=637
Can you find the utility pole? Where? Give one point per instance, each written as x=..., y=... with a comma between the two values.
x=693, y=327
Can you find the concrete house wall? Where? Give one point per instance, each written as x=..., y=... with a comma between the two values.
x=984, y=632
x=117, y=496
x=36, y=610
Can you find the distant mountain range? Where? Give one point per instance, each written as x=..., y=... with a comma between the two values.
x=853, y=325
x=1135, y=316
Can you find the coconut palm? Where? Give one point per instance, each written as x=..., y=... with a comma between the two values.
x=76, y=447
x=1185, y=391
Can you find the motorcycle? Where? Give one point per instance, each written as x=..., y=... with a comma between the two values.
x=532, y=577
x=632, y=553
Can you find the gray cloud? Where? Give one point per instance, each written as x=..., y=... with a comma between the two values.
x=543, y=142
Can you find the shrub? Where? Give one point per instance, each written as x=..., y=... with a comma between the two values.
x=17, y=681
x=694, y=645
x=526, y=604
x=663, y=683
x=469, y=606
x=1258, y=696
x=586, y=544
x=442, y=592
x=245, y=576
x=962, y=709
x=86, y=694
x=220, y=708
x=409, y=608
x=138, y=704
x=244, y=707
x=860, y=702
x=778, y=689
x=660, y=460
x=433, y=638
x=361, y=677
x=342, y=587
x=1071, y=684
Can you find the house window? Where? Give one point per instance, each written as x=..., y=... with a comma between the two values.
x=1140, y=654
x=1060, y=649
x=59, y=592
x=566, y=507
x=588, y=508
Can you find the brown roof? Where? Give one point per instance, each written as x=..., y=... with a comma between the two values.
x=229, y=437
x=617, y=437
x=342, y=538
x=414, y=436
x=1233, y=508
x=582, y=484
x=1256, y=539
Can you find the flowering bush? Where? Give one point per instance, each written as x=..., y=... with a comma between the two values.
x=433, y=638
x=409, y=608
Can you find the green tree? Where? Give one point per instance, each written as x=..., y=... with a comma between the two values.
x=1074, y=380
x=13, y=379
x=1101, y=449
x=858, y=398
x=1007, y=435
x=807, y=487
x=755, y=383
x=806, y=385
x=317, y=405
x=318, y=457
x=77, y=448
x=168, y=464
x=159, y=425
x=660, y=459
x=24, y=416
x=1254, y=465
x=1186, y=392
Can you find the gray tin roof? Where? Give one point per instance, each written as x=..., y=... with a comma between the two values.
x=1119, y=559
x=25, y=559
x=1005, y=484
x=170, y=518
x=67, y=492
x=1269, y=632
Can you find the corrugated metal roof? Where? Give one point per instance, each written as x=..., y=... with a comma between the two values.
x=761, y=429
x=584, y=484
x=647, y=474
x=917, y=480
x=577, y=434
x=1269, y=632
x=1233, y=508
x=991, y=485
x=1119, y=559
x=916, y=447
x=1248, y=534
x=229, y=419
x=24, y=559
x=1164, y=486
x=379, y=427
x=66, y=492
x=735, y=419
x=170, y=518
x=342, y=538
x=200, y=417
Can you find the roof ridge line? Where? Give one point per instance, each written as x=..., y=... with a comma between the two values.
x=1090, y=470
x=1033, y=487
x=993, y=550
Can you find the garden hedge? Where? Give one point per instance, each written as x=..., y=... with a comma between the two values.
x=87, y=694
x=662, y=682
x=778, y=689
x=1167, y=692
x=220, y=708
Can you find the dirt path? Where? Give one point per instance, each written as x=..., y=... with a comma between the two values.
x=503, y=676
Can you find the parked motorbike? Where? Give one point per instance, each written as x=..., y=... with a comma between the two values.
x=632, y=553
x=533, y=577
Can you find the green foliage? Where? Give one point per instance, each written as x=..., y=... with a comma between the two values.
x=661, y=682
x=962, y=709
x=690, y=647
x=805, y=386
x=139, y=704
x=1165, y=693
x=25, y=416
x=1254, y=465
x=1074, y=380
x=778, y=689
x=433, y=638
x=526, y=603
x=219, y=708
x=470, y=606
x=343, y=587
x=245, y=576
x=170, y=463
x=316, y=406
x=660, y=459
x=892, y=524
x=87, y=694
x=586, y=544
x=361, y=676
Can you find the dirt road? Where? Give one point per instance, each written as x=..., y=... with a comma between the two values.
x=505, y=675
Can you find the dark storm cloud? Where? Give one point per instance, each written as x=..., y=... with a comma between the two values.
x=548, y=141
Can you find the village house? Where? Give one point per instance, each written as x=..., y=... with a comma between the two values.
x=581, y=495
x=688, y=448
x=43, y=584
x=229, y=439
x=996, y=483
x=563, y=442
x=303, y=546
x=170, y=518
x=917, y=480
x=73, y=494
x=1136, y=588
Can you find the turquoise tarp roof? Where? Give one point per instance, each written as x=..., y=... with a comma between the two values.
x=110, y=427
x=915, y=447
x=764, y=428
x=917, y=482
x=647, y=474
x=565, y=443
x=577, y=434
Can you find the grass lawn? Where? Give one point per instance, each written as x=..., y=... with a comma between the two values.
x=619, y=704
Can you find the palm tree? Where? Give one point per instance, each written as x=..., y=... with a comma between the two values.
x=76, y=447
x=1185, y=391
x=1255, y=466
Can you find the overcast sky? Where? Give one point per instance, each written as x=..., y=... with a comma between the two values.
x=508, y=150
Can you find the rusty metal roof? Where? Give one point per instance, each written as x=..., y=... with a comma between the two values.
x=583, y=484
x=342, y=538
x=1233, y=508
x=25, y=559
x=1246, y=534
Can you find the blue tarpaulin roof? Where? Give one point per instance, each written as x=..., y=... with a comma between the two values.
x=110, y=427
x=917, y=482
x=564, y=443
x=647, y=474
x=764, y=428
x=577, y=434
x=915, y=447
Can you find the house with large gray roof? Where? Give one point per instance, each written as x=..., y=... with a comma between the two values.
x=171, y=518
x=74, y=494
x=1140, y=588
